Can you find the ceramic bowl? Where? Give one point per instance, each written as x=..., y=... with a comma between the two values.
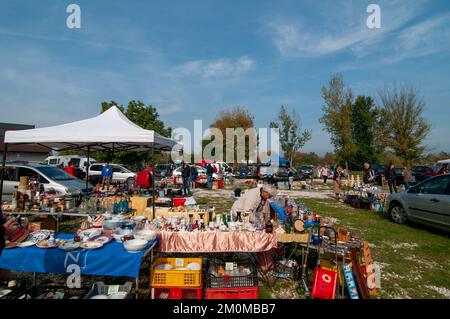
x=135, y=245
x=99, y=297
x=146, y=234
x=111, y=224
x=139, y=218
x=193, y=266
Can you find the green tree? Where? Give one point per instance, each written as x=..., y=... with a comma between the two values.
x=234, y=118
x=405, y=127
x=365, y=123
x=337, y=117
x=292, y=137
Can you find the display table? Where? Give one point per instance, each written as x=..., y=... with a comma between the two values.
x=110, y=260
x=215, y=242
x=140, y=203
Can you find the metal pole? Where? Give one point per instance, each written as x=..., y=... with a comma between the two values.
x=2, y=174
x=153, y=182
x=87, y=167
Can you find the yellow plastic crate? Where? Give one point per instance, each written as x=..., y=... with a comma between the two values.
x=176, y=278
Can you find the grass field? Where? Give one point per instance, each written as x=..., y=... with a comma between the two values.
x=414, y=261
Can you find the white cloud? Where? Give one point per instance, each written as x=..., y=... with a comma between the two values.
x=340, y=28
x=214, y=68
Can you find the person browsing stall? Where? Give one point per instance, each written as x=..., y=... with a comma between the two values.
x=107, y=174
x=254, y=200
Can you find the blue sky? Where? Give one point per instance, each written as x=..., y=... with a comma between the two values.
x=192, y=58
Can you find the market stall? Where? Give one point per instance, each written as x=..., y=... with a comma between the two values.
x=109, y=131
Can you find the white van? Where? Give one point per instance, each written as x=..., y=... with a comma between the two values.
x=80, y=161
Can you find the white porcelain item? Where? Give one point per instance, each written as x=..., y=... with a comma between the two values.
x=146, y=234
x=135, y=245
x=193, y=266
x=164, y=267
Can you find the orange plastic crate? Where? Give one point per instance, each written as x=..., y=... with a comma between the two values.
x=232, y=293
x=176, y=278
x=176, y=293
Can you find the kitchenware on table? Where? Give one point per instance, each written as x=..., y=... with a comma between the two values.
x=146, y=234
x=135, y=245
x=91, y=245
x=26, y=244
x=39, y=235
x=69, y=245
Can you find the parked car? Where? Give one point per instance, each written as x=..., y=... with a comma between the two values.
x=298, y=176
x=246, y=172
x=427, y=203
x=306, y=170
x=425, y=170
x=271, y=173
x=120, y=173
x=78, y=160
x=53, y=179
x=163, y=170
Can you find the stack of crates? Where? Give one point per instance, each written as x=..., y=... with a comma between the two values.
x=231, y=287
x=176, y=284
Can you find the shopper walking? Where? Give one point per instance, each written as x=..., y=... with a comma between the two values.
x=70, y=169
x=186, y=175
x=337, y=181
x=391, y=178
x=324, y=173
x=106, y=174
x=209, y=174
x=407, y=177
x=194, y=175
x=290, y=179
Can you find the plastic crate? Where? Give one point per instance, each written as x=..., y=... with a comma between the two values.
x=178, y=202
x=100, y=288
x=176, y=278
x=232, y=293
x=213, y=281
x=44, y=292
x=176, y=293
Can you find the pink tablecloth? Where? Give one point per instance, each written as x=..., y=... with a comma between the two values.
x=215, y=242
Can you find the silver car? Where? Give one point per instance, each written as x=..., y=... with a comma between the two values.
x=52, y=178
x=426, y=203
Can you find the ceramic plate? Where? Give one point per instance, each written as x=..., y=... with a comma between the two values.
x=91, y=245
x=25, y=244
x=69, y=245
x=44, y=244
x=102, y=239
x=39, y=235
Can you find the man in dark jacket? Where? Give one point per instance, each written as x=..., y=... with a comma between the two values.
x=186, y=174
x=209, y=174
x=368, y=174
x=391, y=178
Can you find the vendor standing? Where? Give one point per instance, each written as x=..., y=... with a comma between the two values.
x=107, y=174
x=70, y=169
x=254, y=201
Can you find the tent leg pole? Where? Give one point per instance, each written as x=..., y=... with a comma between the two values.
x=2, y=172
x=153, y=183
x=87, y=167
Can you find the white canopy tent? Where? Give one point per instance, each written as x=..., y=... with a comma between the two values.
x=447, y=161
x=109, y=131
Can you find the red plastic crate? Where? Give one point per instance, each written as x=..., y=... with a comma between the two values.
x=232, y=293
x=324, y=284
x=176, y=293
x=179, y=202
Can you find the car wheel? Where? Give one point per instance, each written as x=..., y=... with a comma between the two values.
x=398, y=214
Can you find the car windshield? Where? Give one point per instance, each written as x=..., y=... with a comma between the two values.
x=54, y=173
